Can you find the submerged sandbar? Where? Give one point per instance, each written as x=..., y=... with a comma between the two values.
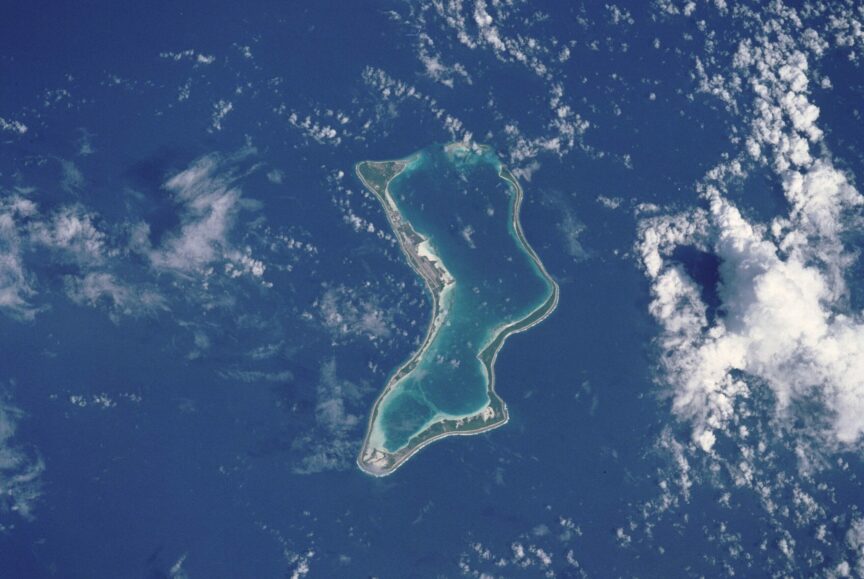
x=455, y=212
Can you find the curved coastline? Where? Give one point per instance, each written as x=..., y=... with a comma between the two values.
x=422, y=258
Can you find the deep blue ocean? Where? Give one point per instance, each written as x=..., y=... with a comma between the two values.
x=214, y=432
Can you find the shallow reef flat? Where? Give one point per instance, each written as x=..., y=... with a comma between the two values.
x=455, y=210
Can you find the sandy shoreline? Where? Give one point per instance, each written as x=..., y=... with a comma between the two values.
x=377, y=461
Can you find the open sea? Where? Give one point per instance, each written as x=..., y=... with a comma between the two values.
x=212, y=302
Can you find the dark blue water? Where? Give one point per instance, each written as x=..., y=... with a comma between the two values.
x=237, y=411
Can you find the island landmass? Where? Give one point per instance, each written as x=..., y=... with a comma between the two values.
x=377, y=176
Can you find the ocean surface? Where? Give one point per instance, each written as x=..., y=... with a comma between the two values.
x=201, y=303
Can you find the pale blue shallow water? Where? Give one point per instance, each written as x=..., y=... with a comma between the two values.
x=460, y=204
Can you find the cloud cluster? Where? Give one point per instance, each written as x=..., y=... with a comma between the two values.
x=16, y=284
x=394, y=90
x=546, y=550
x=500, y=28
x=784, y=318
x=96, y=254
x=188, y=55
x=13, y=126
x=209, y=201
x=347, y=314
x=436, y=69
x=480, y=26
x=318, y=129
x=72, y=232
x=69, y=235
x=504, y=31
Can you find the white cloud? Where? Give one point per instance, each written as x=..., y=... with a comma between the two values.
x=784, y=318
x=275, y=176
x=544, y=551
x=177, y=571
x=20, y=472
x=855, y=543
x=71, y=231
x=784, y=301
x=332, y=444
x=242, y=263
x=323, y=134
x=72, y=180
x=13, y=126
x=391, y=89
x=609, y=202
x=101, y=287
x=16, y=284
x=189, y=55
x=69, y=235
x=500, y=28
x=434, y=66
x=490, y=34
x=252, y=376
x=209, y=202
x=220, y=111
x=347, y=314
x=504, y=30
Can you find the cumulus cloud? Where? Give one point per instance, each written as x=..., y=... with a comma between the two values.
x=221, y=109
x=392, y=89
x=483, y=26
x=68, y=235
x=12, y=126
x=317, y=130
x=434, y=66
x=189, y=55
x=71, y=231
x=784, y=317
x=855, y=544
x=544, y=551
x=503, y=30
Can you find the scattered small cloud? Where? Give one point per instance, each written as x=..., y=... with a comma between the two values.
x=609, y=202
x=347, y=314
x=221, y=109
x=189, y=55
x=13, y=126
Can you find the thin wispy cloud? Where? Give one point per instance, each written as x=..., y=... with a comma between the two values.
x=120, y=299
x=20, y=470
x=16, y=283
x=209, y=201
x=333, y=442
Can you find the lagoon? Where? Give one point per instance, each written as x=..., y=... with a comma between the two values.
x=455, y=210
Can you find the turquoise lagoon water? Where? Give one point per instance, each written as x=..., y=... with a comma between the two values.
x=456, y=199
